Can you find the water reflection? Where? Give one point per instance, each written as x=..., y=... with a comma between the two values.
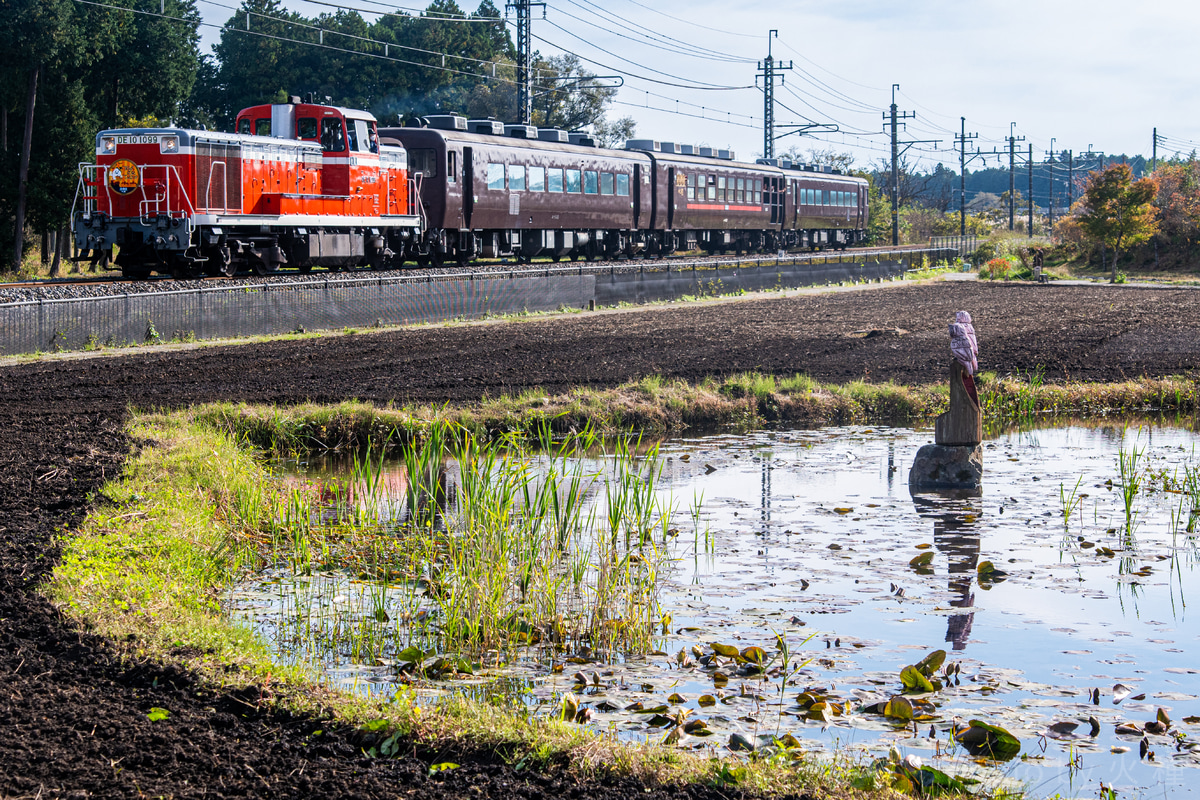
x=956, y=514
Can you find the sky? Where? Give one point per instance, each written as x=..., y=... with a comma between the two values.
x=1100, y=75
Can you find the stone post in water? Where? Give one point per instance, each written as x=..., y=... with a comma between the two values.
x=955, y=460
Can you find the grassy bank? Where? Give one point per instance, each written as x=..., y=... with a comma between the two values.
x=660, y=406
x=148, y=567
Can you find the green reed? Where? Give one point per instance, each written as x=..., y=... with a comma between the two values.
x=493, y=545
x=1131, y=478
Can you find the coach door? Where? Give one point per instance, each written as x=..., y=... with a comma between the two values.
x=775, y=199
x=637, y=196
x=468, y=185
x=670, y=198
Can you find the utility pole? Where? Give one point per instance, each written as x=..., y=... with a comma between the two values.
x=524, y=58
x=1012, y=175
x=1050, y=161
x=1030, y=164
x=1153, y=151
x=766, y=71
x=895, y=118
x=961, y=140
x=1070, y=179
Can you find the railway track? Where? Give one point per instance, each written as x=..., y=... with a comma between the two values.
x=99, y=285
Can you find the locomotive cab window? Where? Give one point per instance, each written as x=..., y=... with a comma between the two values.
x=306, y=128
x=606, y=183
x=495, y=176
x=590, y=182
x=333, y=138
x=516, y=178
x=423, y=161
x=363, y=138
x=535, y=179
x=574, y=180
x=554, y=179
x=622, y=185
x=262, y=127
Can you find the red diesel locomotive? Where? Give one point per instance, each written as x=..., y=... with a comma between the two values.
x=299, y=184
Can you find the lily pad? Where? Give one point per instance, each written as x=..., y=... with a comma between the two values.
x=992, y=741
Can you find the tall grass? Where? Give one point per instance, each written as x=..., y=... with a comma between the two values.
x=495, y=543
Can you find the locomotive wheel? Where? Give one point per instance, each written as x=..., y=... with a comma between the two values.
x=436, y=257
x=263, y=268
x=462, y=258
x=219, y=263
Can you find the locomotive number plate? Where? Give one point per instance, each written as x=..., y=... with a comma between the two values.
x=137, y=138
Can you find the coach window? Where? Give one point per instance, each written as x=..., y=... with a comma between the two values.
x=536, y=179
x=554, y=179
x=606, y=183
x=423, y=161
x=306, y=128
x=451, y=167
x=721, y=189
x=591, y=183
x=574, y=181
x=622, y=185
x=758, y=191
x=824, y=197
x=712, y=187
x=691, y=187
x=333, y=139
x=495, y=176
x=516, y=177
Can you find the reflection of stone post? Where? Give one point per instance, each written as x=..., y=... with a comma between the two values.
x=956, y=536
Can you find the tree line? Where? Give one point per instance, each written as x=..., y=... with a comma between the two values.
x=69, y=69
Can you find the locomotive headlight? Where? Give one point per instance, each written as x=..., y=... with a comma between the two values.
x=168, y=144
x=108, y=145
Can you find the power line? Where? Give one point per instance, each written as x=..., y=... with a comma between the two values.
x=677, y=45
x=692, y=23
x=698, y=85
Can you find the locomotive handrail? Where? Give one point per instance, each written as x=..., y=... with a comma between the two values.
x=414, y=198
x=145, y=203
x=97, y=175
x=224, y=187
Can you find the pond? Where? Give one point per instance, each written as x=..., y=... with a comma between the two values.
x=1060, y=594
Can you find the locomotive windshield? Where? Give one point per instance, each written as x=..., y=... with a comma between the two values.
x=333, y=140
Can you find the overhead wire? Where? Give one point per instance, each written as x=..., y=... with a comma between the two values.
x=677, y=45
x=697, y=85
